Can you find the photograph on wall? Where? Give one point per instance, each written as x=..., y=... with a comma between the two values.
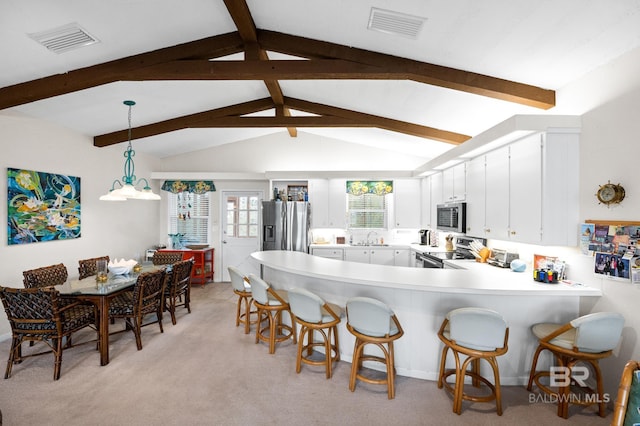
x=42, y=206
x=612, y=266
x=614, y=239
x=587, y=231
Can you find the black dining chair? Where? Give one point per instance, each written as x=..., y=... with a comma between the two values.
x=36, y=315
x=146, y=299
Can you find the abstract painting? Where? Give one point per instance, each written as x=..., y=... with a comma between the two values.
x=42, y=206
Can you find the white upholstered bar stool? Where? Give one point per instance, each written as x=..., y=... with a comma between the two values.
x=315, y=315
x=271, y=304
x=242, y=289
x=586, y=340
x=478, y=334
x=372, y=322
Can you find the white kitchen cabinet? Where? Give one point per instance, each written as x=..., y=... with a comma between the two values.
x=382, y=256
x=328, y=203
x=331, y=253
x=402, y=257
x=436, y=196
x=406, y=203
x=525, y=190
x=357, y=254
x=529, y=191
x=318, y=190
x=374, y=255
x=497, y=194
x=454, y=183
x=475, y=200
x=425, y=203
x=337, y=203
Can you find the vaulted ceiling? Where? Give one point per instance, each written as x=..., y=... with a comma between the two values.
x=210, y=72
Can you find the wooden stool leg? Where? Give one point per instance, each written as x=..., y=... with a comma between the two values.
x=533, y=367
x=443, y=359
x=496, y=380
x=355, y=364
x=391, y=372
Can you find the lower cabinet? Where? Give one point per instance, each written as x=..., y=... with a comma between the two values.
x=377, y=256
x=330, y=253
x=203, y=263
x=374, y=255
x=402, y=257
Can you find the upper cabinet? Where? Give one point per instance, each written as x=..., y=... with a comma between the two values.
x=406, y=197
x=475, y=175
x=527, y=191
x=319, y=199
x=328, y=203
x=454, y=184
x=425, y=202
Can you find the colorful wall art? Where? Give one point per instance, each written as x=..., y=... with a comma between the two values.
x=42, y=206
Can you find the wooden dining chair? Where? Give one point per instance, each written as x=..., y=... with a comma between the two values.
x=87, y=267
x=166, y=257
x=36, y=315
x=178, y=289
x=146, y=299
x=45, y=276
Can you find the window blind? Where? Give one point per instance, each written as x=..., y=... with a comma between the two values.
x=189, y=216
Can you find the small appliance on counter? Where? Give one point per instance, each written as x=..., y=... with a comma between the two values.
x=425, y=237
x=501, y=258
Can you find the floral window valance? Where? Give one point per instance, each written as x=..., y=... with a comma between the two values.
x=378, y=187
x=192, y=186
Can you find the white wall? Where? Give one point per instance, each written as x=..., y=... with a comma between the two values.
x=108, y=228
x=610, y=150
x=280, y=152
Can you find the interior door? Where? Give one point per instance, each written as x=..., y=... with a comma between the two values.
x=240, y=230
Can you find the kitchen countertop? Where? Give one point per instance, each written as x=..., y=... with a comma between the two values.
x=421, y=297
x=413, y=246
x=477, y=278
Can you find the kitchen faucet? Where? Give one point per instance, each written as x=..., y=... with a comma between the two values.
x=369, y=235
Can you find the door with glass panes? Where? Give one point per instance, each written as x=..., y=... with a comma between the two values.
x=240, y=230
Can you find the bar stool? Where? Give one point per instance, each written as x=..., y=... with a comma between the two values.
x=314, y=314
x=271, y=304
x=478, y=334
x=242, y=288
x=372, y=322
x=586, y=339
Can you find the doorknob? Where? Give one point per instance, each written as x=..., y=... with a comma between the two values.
x=224, y=241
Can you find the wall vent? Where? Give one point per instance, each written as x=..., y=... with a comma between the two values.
x=387, y=21
x=64, y=38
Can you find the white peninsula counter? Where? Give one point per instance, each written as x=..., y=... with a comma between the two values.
x=421, y=297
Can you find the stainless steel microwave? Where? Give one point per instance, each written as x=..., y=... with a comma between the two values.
x=452, y=217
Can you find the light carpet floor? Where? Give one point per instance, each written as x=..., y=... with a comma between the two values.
x=205, y=371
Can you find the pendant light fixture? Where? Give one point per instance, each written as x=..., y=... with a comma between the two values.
x=127, y=188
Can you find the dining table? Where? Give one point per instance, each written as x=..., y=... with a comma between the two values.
x=101, y=294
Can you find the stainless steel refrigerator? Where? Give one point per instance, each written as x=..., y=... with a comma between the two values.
x=285, y=225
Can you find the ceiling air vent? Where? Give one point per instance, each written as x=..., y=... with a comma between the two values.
x=64, y=38
x=387, y=21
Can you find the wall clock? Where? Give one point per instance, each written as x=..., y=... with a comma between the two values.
x=610, y=193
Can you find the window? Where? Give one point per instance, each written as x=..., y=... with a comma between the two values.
x=189, y=216
x=242, y=216
x=367, y=204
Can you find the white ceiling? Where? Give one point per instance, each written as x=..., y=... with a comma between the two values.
x=545, y=43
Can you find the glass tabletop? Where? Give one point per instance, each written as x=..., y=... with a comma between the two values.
x=90, y=287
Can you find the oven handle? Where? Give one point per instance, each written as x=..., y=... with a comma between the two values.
x=428, y=262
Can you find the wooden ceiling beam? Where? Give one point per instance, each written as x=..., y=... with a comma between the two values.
x=109, y=72
x=423, y=72
x=184, y=122
x=241, y=15
x=379, y=122
x=317, y=69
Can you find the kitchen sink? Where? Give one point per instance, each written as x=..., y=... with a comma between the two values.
x=369, y=245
